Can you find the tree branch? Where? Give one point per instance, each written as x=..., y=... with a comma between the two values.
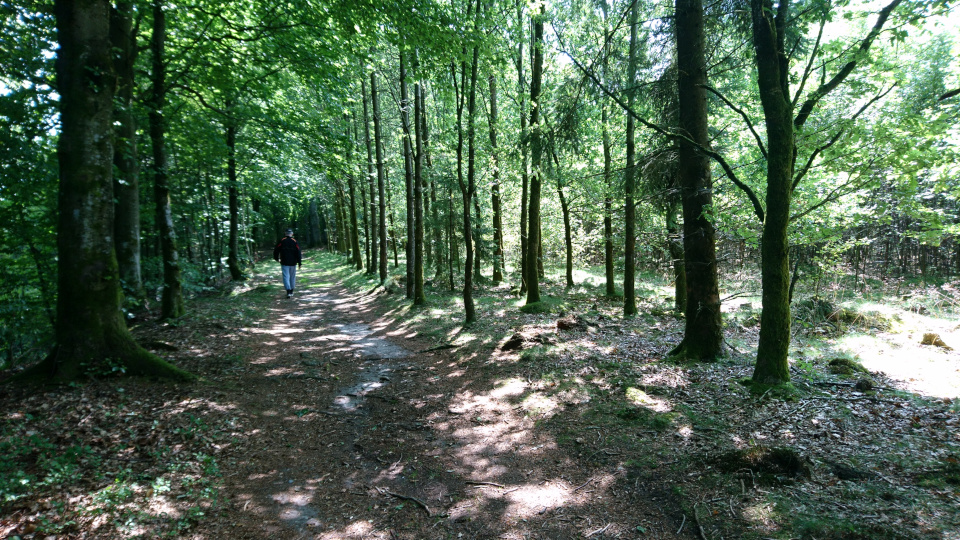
x=835, y=138
x=727, y=169
x=848, y=68
x=763, y=149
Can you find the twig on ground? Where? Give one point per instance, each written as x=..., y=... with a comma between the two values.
x=682, y=523
x=600, y=530
x=696, y=518
x=408, y=498
x=494, y=484
x=581, y=486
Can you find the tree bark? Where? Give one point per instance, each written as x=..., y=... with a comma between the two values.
x=675, y=246
x=608, y=257
x=408, y=171
x=126, y=186
x=419, y=298
x=703, y=335
x=567, y=229
x=536, y=150
x=171, y=305
x=467, y=190
x=498, y=264
x=524, y=157
x=233, y=252
x=91, y=334
x=381, y=181
x=354, y=228
x=630, y=212
x=371, y=176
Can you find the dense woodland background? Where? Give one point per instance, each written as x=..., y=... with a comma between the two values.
x=797, y=145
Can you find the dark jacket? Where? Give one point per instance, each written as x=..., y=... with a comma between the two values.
x=287, y=252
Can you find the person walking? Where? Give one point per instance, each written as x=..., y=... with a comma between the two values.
x=287, y=253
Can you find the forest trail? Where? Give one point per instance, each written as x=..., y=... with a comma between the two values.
x=355, y=428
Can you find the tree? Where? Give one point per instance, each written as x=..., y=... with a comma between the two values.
x=91, y=334
x=703, y=332
x=630, y=174
x=536, y=176
x=770, y=28
x=171, y=305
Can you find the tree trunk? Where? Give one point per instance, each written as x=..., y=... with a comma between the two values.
x=419, y=298
x=524, y=163
x=233, y=255
x=381, y=180
x=126, y=186
x=354, y=229
x=467, y=190
x=374, y=229
x=498, y=265
x=630, y=179
x=567, y=232
x=171, y=305
x=608, y=257
x=92, y=337
x=408, y=171
x=315, y=236
x=536, y=147
x=703, y=334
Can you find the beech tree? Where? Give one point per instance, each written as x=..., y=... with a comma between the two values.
x=91, y=334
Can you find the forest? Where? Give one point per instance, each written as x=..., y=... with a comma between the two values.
x=691, y=267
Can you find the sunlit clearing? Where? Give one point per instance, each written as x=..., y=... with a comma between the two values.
x=509, y=387
x=925, y=369
x=645, y=400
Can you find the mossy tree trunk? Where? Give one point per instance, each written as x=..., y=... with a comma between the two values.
x=408, y=171
x=233, y=197
x=381, y=178
x=92, y=337
x=770, y=29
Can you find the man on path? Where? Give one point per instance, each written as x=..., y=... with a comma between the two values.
x=288, y=254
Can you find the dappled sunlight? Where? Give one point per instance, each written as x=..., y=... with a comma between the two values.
x=356, y=530
x=924, y=369
x=640, y=398
x=666, y=377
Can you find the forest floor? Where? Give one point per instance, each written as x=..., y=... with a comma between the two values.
x=345, y=413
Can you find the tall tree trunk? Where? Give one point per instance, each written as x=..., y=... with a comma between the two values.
x=498, y=265
x=419, y=298
x=567, y=228
x=315, y=236
x=524, y=157
x=630, y=180
x=608, y=257
x=381, y=179
x=171, y=305
x=469, y=188
x=354, y=229
x=703, y=334
x=371, y=176
x=453, y=251
x=408, y=171
x=233, y=255
x=91, y=333
x=126, y=186
x=536, y=147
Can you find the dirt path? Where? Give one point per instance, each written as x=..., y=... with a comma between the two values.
x=353, y=428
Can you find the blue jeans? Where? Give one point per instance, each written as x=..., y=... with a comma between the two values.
x=289, y=276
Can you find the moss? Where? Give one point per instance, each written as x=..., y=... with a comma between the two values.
x=846, y=366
